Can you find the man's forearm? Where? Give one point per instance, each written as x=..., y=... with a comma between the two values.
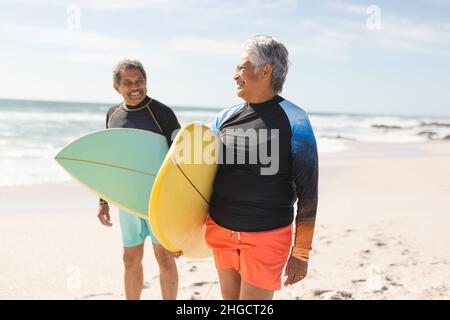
x=303, y=238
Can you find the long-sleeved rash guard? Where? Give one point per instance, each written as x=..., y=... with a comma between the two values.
x=259, y=195
x=150, y=115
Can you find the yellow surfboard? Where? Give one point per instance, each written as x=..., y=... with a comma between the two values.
x=180, y=196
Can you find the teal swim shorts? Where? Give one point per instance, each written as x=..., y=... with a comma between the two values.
x=134, y=230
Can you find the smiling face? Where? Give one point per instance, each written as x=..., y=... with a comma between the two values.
x=132, y=86
x=253, y=85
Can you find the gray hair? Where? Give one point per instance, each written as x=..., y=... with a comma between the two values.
x=264, y=49
x=127, y=64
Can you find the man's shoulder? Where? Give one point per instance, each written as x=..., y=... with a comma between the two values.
x=113, y=108
x=164, y=114
x=160, y=107
x=224, y=115
x=301, y=129
x=294, y=112
x=227, y=112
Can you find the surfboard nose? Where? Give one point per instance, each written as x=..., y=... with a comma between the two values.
x=118, y=165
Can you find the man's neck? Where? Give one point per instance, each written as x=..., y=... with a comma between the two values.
x=263, y=97
x=137, y=105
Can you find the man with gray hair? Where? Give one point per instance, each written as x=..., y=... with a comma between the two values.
x=139, y=111
x=250, y=225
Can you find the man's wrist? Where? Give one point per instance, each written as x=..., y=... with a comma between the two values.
x=300, y=253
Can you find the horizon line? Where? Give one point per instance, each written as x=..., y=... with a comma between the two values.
x=200, y=107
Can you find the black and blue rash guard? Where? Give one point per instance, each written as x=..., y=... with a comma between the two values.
x=259, y=195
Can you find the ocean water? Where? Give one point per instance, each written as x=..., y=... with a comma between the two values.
x=32, y=132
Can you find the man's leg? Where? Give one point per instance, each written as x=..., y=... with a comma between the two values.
x=250, y=292
x=134, y=274
x=168, y=274
x=230, y=283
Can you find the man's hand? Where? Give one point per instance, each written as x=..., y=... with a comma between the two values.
x=103, y=215
x=176, y=255
x=296, y=270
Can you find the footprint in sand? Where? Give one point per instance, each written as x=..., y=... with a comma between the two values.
x=96, y=296
x=358, y=281
x=441, y=291
x=365, y=254
x=319, y=292
x=193, y=268
x=392, y=282
x=195, y=296
x=332, y=295
x=405, y=252
x=380, y=244
x=377, y=240
x=348, y=232
x=201, y=284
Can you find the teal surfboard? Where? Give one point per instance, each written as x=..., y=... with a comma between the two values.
x=118, y=165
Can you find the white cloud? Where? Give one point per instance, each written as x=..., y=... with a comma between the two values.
x=349, y=8
x=111, y=58
x=439, y=2
x=407, y=35
x=416, y=32
x=223, y=7
x=82, y=46
x=206, y=46
x=337, y=39
x=400, y=33
x=100, y=4
x=81, y=39
x=96, y=57
x=250, y=7
x=64, y=37
x=130, y=5
x=327, y=38
x=333, y=40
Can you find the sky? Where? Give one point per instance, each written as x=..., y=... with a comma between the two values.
x=379, y=57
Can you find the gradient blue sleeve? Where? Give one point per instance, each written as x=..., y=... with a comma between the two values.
x=305, y=171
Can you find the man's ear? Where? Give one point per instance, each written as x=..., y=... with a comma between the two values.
x=267, y=71
x=116, y=86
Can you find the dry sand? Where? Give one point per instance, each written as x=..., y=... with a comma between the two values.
x=382, y=233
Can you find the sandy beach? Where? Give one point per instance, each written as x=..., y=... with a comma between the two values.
x=382, y=233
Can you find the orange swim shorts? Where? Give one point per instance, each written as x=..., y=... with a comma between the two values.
x=259, y=257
